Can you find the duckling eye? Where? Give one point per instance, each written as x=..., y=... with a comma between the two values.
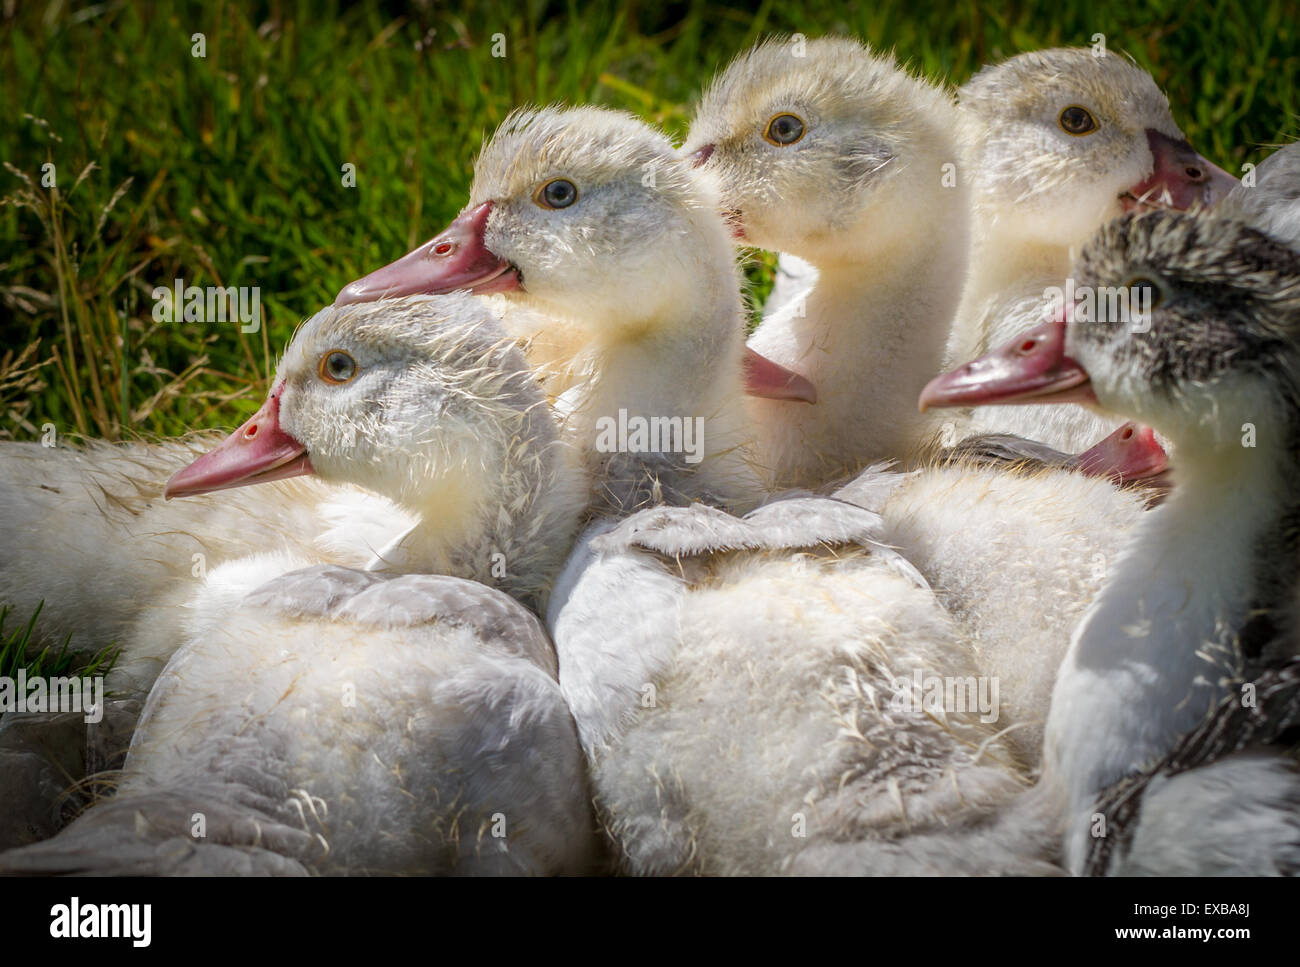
x=336, y=366
x=783, y=129
x=1152, y=297
x=559, y=193
x=1077, y=120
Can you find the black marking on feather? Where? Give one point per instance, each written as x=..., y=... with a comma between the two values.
x=1230, y=728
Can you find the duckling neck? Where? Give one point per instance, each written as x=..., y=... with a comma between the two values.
x=1001, y=266
x=1164, y=640
x=512, y=536
x=663, y=421
x=1002, y=261
x=873, y=331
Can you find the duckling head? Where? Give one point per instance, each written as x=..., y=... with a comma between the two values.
x=584, y=214
x=811, y=142
x=1220, y=348
x=1217, y=348
x=1062, y=140
x=424, y=401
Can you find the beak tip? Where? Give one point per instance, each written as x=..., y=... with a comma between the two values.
x=928, y=396
x=171, y=489
x=350, y=293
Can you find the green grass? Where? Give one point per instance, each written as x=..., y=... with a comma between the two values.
x=225, y=170
x=15, y=654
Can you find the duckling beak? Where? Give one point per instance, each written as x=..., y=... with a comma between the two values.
x=773, y=381
x=1180, y=178
x=255, y=453
x=1030, y=369
x=454, y=259
x=1130, y=453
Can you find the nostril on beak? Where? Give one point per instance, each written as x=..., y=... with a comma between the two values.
x=1194, y=173
x=701, y=157
x=251, y=431
x=444, y=248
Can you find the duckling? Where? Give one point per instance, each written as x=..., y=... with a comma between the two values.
x=439, y=740
x=1056, y=143
x=639, y=268
x=1191, y=610
x=837, y=155
x=1130, y=454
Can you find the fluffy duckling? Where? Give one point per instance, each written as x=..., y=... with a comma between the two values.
x=589, y=218
x=439, y=741
x=1191, y=610
x=1056, y=143
x=835, y=154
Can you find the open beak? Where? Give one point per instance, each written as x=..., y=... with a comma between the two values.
x=454, y=259
x=1032, y=368
x=1130, y=453
x=1181, y=178
x=255, y=453
x=773, y=381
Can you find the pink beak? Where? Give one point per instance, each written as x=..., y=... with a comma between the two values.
x=769, y=380
x=1181, y=178
x=1130, y=453
x=255, y=453
x=1032, y=368
x=454, y=259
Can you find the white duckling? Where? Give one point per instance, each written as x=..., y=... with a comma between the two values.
x=835, y=154
x=87, y=533
x=345, y=721
x=1203, y=597
x=639, y=268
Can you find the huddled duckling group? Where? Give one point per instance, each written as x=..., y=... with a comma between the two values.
x=549, y=571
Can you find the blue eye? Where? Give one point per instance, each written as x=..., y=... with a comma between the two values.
x=560, y=193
